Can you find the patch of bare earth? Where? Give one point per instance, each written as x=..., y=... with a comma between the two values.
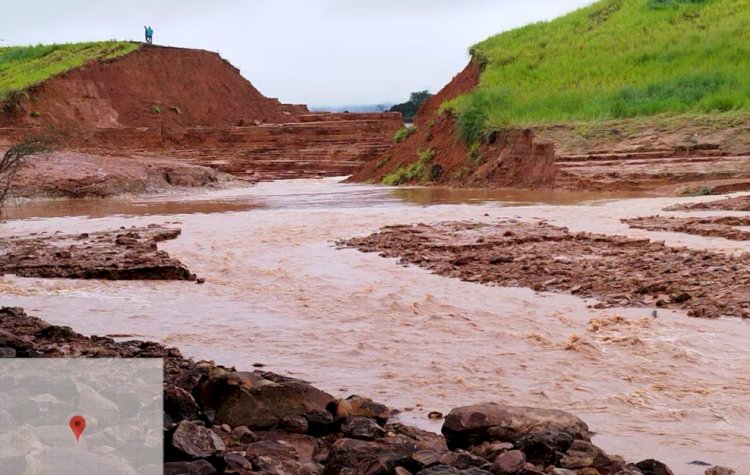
x=124, y=254
x=738, y=203
x=618, y=271
x=717, y=226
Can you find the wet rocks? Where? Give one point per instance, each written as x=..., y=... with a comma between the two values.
x=472, y=425
x=714, y=226
x=548, y=258
x=356, y=406
x=508, y=463
x=113, y=255
x=362, y=428
x=225, y=421
x=195, y=441
x=249, y=399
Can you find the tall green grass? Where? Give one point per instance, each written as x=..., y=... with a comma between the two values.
x=22, y=67
x=614, y=59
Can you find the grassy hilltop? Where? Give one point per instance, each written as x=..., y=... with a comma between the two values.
x=22, y=67
x=616, y=59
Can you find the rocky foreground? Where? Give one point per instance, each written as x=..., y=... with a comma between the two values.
x=553, y=259
x=220, y=420
x=122, y=254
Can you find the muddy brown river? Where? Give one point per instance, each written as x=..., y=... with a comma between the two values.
x=279, y=293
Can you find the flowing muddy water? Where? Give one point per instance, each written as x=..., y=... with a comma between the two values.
x=279, y=293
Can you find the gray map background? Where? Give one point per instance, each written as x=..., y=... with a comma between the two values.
x=121, y=400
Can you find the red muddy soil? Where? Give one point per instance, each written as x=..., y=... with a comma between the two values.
x=194, y=106
x=124, y=254
x=722, y=226
x=738, y=203
x=77, y=175
x=663, y=155
x=552, y=259
x=151, y=87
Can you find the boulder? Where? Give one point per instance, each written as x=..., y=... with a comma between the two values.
x=195, y=441
x=543, y=448
x=508, y=463
x=362, y=428
x=717, y=470
x=367, y=457
x=295, y=423
x=471, y=425
x=235, y=463
x=356, y=406
x=180, y=404
x=653, y=467
x=199, y=467
x=241, y=398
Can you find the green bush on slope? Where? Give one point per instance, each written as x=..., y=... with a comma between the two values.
x=614, y=59
x=22, y=67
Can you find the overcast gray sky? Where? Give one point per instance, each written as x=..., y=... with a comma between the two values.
x=317, y=52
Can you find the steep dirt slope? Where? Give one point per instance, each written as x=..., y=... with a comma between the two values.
x=149, y=87
x=511, y=158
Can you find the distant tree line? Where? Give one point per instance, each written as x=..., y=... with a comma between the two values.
x=409, y=108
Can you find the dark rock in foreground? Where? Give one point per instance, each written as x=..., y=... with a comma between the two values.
x=123, y=254
x=219, y=420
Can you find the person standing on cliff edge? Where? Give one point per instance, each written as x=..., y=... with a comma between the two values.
x=149, y=34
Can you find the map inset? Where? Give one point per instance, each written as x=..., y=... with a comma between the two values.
x=81, y=416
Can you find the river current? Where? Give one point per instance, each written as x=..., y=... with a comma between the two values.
x=279, y=293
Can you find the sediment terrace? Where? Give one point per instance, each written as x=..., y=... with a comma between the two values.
x=193, y=106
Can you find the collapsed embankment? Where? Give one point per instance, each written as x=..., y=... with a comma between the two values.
x=192, y=106
x=433, y=153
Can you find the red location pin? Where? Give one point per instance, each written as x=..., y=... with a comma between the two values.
x=77, y=424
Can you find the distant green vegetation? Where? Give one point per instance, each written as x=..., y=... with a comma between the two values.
x=409, y=108
x=615, y=59
x=22, y=67
x=413, y=172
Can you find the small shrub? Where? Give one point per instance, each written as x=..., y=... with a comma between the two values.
x=474, y=155
x=410, y=173
x=155, y=109
x=381, y=163
x=403, y=134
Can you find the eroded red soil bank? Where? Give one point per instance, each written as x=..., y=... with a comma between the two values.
x=190, y=105
x=679, y=155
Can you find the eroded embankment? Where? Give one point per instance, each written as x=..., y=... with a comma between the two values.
x=193, y=106
x=219, y=420
x=664, y=155
x=617, y=271
x=124, y=254
x=78, y=175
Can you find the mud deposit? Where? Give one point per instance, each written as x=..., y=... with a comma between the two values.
x=616, y=270
x=279, y=293
x=124, y=254
x=738, y=203
x=722, y=226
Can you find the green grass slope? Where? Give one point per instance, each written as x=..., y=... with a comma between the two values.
x=612, y=60
x=22, y=67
